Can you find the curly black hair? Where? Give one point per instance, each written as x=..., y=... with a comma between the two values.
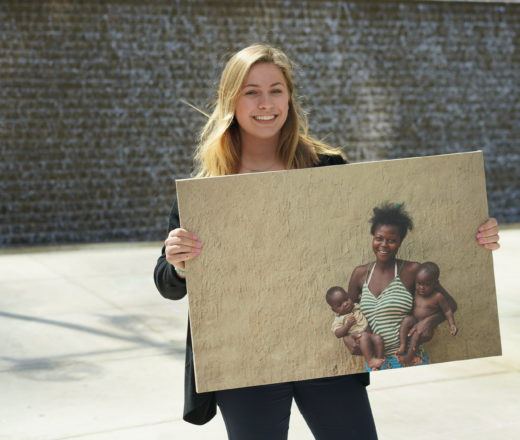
x=392, y=214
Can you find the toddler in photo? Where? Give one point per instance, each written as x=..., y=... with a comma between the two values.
x=427, y=302
x=350, y=320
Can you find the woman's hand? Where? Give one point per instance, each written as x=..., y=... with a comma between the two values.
x=487, y=235
x=180, y=246
x=352, y=343
x=424, y=328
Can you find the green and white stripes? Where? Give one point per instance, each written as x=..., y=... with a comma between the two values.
x=386, y=312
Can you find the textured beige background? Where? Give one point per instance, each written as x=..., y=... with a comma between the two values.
x=274, y=242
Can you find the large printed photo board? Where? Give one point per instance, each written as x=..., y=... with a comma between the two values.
x=274, y=243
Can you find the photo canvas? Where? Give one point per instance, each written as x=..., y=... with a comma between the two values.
x=274, y=243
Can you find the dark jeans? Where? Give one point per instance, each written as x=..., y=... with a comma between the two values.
x=335, y=408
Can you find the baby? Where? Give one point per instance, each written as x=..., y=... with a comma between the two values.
x=351, y=321
x=428, y=301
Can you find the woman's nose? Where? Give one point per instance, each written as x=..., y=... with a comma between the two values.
x=265, y=102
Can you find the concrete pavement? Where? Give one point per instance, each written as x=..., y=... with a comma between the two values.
x=89, y=350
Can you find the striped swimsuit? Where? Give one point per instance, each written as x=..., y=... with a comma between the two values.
x=386, y=312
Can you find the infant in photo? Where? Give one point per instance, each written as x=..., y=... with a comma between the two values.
x=350, y=320
x=428, y=301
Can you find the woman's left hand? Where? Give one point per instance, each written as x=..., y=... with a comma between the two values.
x=487, y=235
x=424, y=328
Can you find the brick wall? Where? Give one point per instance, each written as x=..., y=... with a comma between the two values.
x=93, y=130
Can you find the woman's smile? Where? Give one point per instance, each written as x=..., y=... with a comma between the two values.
x=265, y=119
x=384, y=254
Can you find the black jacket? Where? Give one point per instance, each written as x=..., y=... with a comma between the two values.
x=201, y=408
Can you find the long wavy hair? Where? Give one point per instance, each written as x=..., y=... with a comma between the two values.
x=219, y=150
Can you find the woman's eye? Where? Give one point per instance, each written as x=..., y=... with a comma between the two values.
x=277, y=91
x=251, y=92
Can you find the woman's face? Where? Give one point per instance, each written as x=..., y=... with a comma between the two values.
x=386, y=242
x=263, y=103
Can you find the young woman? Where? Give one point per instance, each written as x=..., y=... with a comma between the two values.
x=257, y=125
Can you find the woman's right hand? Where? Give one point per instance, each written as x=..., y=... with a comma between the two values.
x=352, y=344
x=181, y=245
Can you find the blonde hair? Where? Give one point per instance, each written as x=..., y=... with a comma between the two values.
x=218, y=151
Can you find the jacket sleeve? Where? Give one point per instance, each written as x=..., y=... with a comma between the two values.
x=166, y=280
x=326, y=160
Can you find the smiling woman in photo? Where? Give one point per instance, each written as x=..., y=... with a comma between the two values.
x=386, y=287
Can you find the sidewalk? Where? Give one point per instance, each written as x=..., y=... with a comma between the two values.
x=90, y=350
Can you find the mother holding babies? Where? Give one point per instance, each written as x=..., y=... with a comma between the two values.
x=386, y=287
